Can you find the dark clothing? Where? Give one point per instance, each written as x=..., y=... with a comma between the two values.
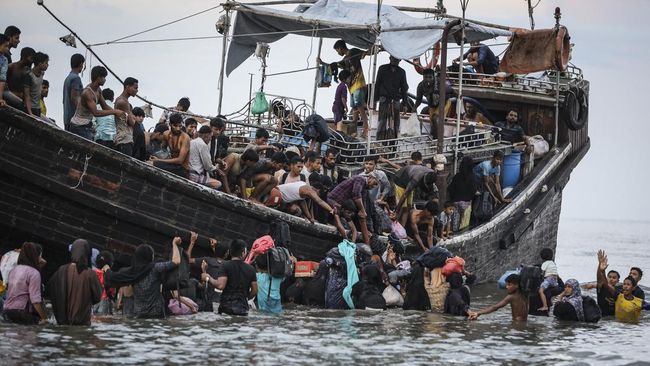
x=367, y=293
x=462, y=187
x=391, y=83
x=126, y=149
x=513, y=133
x=416, y=295
x=85, y=131
x=606, y=300
x=139, y=146
x=412, y=176
x=639, y=293
x=352, y=61
x=565, y=311
x=389, y=119
x=74, y=287
x=219, y=147
x=263, y=166
x=458, y=299
x=234, y=298
x=351, y=188
x=172, y=168
x=108, y=143
x=486, y=59
x=21, y=317
x=431, y=92
x=148, y=300
x=314, y=292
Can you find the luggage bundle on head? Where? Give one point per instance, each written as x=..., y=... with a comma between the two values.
x=434, y=257
x=530, y=278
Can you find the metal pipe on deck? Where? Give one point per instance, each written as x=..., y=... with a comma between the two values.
x=313, y=100
x=440, y=128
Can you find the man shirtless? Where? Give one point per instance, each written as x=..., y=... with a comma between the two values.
x=179, y=147
x=518, y=302
x=426, y=217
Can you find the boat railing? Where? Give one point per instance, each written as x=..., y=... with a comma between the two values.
x=546, y=84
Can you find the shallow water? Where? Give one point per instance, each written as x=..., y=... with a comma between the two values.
x=303, y=335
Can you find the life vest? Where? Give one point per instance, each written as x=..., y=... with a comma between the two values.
x=433, y=62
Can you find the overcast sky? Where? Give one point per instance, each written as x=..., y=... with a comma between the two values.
x=611, y=40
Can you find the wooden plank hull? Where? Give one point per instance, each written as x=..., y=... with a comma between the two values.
x=56, y=187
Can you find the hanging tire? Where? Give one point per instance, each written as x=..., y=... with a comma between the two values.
x=575, y=110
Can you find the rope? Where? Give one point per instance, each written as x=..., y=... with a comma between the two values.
x=83, y=173
x=158, y=27
x=311, y=43
x=220, y=37
x=292, y=71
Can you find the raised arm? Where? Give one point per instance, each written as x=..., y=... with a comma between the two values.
x=193, y=237
x=600, y=273
x=176, y=254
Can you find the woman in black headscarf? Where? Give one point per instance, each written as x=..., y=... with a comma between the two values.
x=74, y=287
x=146, y=278
x=367, y=293
x=458, y=299
x=461, y=192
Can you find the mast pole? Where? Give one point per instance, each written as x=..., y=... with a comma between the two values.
x=440, y=124
x=530, y=15
x=459, y=100
x=375, y=51
x=313, y=100
x=558, y=15
x=224, y=46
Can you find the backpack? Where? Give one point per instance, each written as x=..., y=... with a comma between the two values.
x=483, y=205
x=280, y=263
x=280, y=233
x=530, y=279
x=591, y=310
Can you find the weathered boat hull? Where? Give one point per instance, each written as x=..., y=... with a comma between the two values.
x=56, y=187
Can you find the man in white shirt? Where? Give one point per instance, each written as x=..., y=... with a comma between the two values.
x=200, y=163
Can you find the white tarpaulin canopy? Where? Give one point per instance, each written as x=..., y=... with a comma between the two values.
x=353, y=22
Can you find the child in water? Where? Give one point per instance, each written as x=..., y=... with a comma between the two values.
x=549, y=271
x=518, y=302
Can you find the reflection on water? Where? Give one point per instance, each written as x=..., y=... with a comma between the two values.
x=313, y=336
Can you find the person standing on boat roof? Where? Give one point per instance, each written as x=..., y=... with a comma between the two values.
x=72, y=88
x=179, y=148
x=481, y=58
x=124, y=125
x=391, y=88
x=91, y=95
x=487, y=176
x=352, y=63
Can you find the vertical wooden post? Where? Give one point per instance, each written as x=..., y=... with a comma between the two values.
x=440, y=128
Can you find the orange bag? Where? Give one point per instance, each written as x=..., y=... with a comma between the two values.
x=453, y=265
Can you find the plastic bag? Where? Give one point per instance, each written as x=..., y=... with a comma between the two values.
x=411, y=127
x=540, y=146
x=260, y=104
x=392, y=297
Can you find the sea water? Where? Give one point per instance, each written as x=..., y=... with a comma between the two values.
x=314, y=336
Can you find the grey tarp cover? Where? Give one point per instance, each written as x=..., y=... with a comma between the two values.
x=349, y=21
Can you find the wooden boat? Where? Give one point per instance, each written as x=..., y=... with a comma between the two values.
x=56, y=187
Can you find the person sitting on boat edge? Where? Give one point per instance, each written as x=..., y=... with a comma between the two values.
x=237, y=280
x=191, y=126
x=260, y=144
x=353, y=188
x=258, y=175
x=179, y=148
x=481, y=58
x=516, y=298
x=487, y=174
x=201, y=167
x=91, y=96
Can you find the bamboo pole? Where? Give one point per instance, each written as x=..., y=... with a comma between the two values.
x=443, y=83
x=459, y=100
